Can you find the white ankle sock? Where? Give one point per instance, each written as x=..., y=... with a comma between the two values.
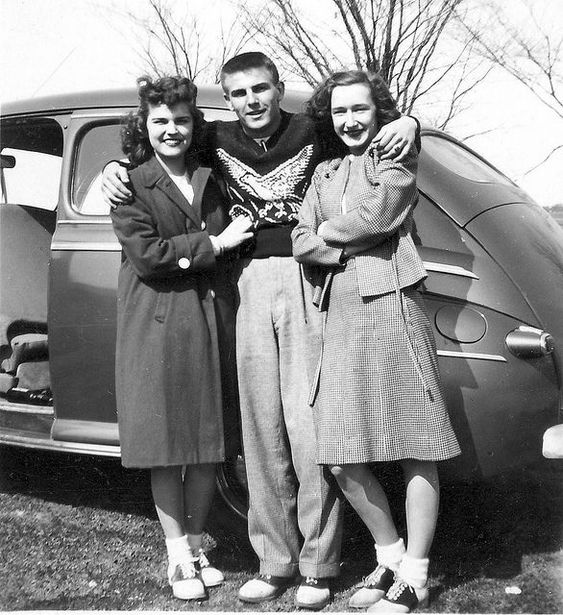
x=391, y=555
x=178, y=549
x=414, y=571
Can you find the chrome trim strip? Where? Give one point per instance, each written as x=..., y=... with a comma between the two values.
x=472, y=355
x=82, y=221
x=26, y=408
x=101, y=114
x=116, y=247
x=450, y=269
x=88, y=246
x=103, y=450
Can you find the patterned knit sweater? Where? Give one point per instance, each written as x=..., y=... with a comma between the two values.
x=268, y=186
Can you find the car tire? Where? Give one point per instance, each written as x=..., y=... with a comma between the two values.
x=227, y=521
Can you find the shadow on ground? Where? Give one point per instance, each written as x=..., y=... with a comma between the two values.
x=485, y=532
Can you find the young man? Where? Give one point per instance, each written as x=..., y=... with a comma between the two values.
x=267, y=159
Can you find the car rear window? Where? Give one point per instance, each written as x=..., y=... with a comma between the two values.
x=461, y=161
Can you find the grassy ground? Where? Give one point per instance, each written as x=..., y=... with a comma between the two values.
x=80, y=533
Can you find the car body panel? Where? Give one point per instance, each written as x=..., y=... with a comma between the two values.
x=519, y=233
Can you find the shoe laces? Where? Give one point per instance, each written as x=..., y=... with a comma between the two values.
x=188, y=570
x=375, y=576
x=398, y=588
x=311, y=581
x=203, y=561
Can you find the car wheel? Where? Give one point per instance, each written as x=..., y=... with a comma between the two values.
x=228, y=518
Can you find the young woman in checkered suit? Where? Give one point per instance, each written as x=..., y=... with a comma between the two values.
x=377, y=395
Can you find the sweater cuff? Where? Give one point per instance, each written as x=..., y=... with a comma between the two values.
x=122, y=163
x=417, y=141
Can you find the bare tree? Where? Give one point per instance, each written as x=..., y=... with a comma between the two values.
x=526, y=45
x=175, y=42
x=410, y=42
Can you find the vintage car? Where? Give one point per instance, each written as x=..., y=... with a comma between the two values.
x=494, y=291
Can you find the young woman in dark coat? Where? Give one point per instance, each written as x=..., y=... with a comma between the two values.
x=175, y=341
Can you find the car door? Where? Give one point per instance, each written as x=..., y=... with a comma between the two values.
x=85, y=256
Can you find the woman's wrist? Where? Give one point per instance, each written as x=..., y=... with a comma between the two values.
x=218, y=247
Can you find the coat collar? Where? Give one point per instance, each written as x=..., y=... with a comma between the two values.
x=154, y=176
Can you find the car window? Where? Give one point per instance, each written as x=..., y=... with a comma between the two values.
x=461, y=161
x=433, y=229
x=31, y=161
x=98, y=144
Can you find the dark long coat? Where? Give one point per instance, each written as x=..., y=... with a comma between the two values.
x=175, y=325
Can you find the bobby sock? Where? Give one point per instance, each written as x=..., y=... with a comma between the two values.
x=178, y=549
x=414, y=571
x=391, y=555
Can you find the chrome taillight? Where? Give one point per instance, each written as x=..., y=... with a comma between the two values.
x=529, y=342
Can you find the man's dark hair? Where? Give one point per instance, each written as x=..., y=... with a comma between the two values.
x=246, y=61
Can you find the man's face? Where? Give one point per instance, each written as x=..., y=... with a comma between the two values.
x=255, y=98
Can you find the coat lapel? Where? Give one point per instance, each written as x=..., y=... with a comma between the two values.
x=157, y=177
x=344, y=171
x=334, y=186
x=198, y=178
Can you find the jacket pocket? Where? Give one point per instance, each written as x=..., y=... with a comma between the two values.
x=161, y=307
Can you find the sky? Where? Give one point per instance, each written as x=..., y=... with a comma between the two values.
x=55, y=46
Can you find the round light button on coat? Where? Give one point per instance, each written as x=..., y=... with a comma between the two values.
x=184, y=262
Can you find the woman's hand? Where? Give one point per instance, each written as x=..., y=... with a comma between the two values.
x=114, y=184
x=233, y=236
x=394, y=140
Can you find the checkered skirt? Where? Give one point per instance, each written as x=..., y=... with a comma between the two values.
x=380, y=396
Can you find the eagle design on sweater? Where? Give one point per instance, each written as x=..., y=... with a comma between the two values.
x=272, y=197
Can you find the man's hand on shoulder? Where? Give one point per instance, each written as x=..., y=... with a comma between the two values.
x=394, y=140
x=115, y=179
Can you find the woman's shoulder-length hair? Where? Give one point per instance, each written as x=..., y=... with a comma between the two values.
x=169, y=91
x=318, y=107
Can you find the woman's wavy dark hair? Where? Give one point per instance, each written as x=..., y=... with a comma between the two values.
x=318, y=106
x=168, y=91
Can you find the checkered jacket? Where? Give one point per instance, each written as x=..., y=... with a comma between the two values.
x=379, y=217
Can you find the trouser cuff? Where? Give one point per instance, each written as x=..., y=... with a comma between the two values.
x=319, y=571
x=279, y=570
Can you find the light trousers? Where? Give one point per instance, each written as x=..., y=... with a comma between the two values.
x=294, y=520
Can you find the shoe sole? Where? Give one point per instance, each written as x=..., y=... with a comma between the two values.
x=201, y=597
x=366, y=605
x=273, y=596
x=312, y=607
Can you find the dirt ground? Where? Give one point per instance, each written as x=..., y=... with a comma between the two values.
x=80, y=533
